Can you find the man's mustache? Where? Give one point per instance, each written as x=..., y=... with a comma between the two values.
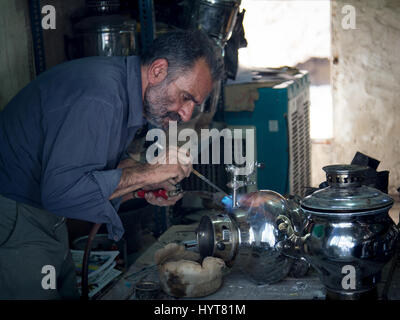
x=173, y=116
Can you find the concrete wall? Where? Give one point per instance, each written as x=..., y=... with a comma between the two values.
x=16, y=55
x=366, y=84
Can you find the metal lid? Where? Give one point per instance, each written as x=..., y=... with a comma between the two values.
x=105, y=24
x=345, y=193
x=344, y=175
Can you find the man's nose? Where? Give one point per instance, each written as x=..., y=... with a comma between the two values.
x=186, y=111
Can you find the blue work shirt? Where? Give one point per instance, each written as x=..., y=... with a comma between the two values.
x=63, y=135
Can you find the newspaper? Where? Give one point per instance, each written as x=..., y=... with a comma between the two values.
x=101, y=269
x=108, y=275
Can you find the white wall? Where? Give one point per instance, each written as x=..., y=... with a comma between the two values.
x=366, y=84
x=285, y=32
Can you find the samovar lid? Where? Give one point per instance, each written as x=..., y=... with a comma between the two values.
x=345, y=193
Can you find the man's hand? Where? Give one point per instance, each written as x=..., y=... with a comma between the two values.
x=177, y=162
x=161, y=202
x=128, y=162
x=170, y=168
x=163, y=185
x=158, y=201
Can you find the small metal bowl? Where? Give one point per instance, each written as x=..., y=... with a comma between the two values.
x=146, y=290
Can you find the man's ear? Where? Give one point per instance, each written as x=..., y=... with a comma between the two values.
x=157, y=71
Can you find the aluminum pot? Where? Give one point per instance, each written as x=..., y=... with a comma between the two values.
x=215, y=17
x=248, y=236
x=349, y=236
x=107, y=35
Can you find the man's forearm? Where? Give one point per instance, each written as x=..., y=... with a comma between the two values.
x=132, y=178
x=136, y=175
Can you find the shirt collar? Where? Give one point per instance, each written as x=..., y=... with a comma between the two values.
x=134, y=86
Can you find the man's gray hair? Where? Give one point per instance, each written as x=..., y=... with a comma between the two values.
x=182, y=49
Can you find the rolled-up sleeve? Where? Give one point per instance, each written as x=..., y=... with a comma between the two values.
x=75, y=182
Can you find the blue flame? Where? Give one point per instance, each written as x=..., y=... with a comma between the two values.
x=227, y=202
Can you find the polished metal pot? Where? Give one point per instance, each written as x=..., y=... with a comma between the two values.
x=215, y=17
x=349, y=236
x=105, y=35
x=248, y=236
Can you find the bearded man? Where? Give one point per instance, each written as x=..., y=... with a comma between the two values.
x=63, y=141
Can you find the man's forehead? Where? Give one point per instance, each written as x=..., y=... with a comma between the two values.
x=197, y=81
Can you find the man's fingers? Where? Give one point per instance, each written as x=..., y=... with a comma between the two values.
x=188, y=170
x=168, y=186
x=172, y=181
x=172, y=173
x=181, y=173
x=161, y=202
x=174, y=155
x=185, y=157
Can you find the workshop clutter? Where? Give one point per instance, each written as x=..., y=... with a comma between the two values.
x=183, y=273
x=102, y=269
x=343, y=230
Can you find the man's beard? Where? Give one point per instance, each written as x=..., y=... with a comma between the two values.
x=156, y=103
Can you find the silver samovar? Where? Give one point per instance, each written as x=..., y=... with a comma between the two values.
x=344, y=231
x=247, y=234
x=349, y=235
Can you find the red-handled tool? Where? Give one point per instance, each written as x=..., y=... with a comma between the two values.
x=159, y=193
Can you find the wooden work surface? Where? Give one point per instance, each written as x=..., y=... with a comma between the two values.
x=235, y=285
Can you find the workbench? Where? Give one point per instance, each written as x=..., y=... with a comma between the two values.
x=236, y=286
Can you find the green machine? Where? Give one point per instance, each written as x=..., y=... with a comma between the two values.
x=275, y=102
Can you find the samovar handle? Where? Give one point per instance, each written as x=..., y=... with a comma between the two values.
x=295, y=244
